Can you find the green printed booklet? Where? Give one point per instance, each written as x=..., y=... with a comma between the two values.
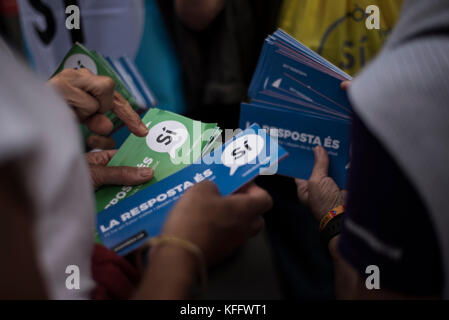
x=80, y=57
x=173, y=143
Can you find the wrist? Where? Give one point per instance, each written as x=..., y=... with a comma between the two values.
x=330, y=225
x=182, y=252
x=333, y=246
x=331, y=215
x=320, y=215
x=176, y=256
x=170, y=275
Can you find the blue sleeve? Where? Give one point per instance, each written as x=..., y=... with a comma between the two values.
x=158, y=61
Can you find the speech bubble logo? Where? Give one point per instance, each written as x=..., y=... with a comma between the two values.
x=242, y=151
x=79, y=61
x=167, y=137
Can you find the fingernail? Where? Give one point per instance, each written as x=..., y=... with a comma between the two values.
x=144, y=127
x=146, y=172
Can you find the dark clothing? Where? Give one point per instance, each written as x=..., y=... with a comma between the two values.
x=218, y=63
x=10, y=25
x=304, y=266
x=387, y=224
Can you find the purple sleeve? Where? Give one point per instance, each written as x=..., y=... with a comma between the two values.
x=386, y=223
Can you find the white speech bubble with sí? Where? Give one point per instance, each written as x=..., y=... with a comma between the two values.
x=79, y=61
x=167, y=137
x=242, y=151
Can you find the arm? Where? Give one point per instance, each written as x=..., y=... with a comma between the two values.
x=321, y=194
x=198, y=14
x=346, y=278
x=216, y=225
x=170, y=275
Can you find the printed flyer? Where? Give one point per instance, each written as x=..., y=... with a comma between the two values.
x=173, y=143
x=128, y=224
x=296, y=95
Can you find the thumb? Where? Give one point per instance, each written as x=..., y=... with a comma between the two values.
x=254, y=202
x=99, y=142
x=302, y=190
x=121, y=176
x=321, y=166
x=100, y=158
x=345, y=85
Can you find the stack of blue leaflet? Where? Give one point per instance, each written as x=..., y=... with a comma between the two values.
x=296, y=96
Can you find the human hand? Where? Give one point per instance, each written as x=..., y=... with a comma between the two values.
x=122, y=176
x=320, y=193
x=91, y=96
x=101, y=143
x=345, y=85
x=218, y=225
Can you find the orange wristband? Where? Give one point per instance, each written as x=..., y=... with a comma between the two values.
x=330, y=215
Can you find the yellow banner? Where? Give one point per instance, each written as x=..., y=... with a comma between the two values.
x=336, y=29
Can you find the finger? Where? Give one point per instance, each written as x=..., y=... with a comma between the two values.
x=244, y=189
x=99, y=124
x=344, y=195
x=120, y=176
x=248, y=188
x=321, y=166
x=100, y=158
x=303, y=190
x=345, y=85
x=84, y=104
x=102, y=143
x=255, y=201
x=206, y=188
x=100, y=87
x=123, y=111
x=257, y=226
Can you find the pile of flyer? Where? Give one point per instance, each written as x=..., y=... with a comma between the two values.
x=296, y=96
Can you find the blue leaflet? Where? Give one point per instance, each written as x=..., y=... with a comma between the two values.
x=130, y=223
x=299, y=134
x=298, y=92
x=296, y=76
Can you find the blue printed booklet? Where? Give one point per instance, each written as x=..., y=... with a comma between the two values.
x=296, y=96
x=132, y=221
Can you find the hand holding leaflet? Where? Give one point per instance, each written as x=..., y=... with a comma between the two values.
x=173, y=142
x=126, y=225
x=296, y=95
